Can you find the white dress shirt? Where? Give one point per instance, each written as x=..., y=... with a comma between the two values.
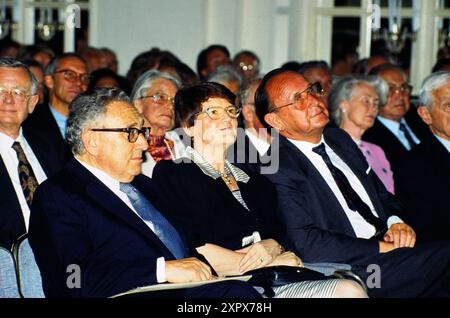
x=362, y=228
x=114, y=186
x=9, y=156
x=394, y=127
x=261, y=145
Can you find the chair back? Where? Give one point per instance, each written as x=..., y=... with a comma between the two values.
x=29, y=276
x=9, y=287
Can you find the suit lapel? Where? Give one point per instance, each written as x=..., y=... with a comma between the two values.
x=299, y=162
x=102, y=196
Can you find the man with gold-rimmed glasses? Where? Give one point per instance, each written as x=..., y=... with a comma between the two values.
x=333, y=207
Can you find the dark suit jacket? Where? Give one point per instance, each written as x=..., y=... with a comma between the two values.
x=392, y=147
x=317, y=226
x=76, y=219
x=42, y=123
x=12, y=224
x=423, y=184
x=207, y=212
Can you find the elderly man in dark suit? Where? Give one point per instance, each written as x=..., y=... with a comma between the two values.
x=99, y=216
x=25, y=159
x=423, y=179
x=333, y=206
x=397, y=128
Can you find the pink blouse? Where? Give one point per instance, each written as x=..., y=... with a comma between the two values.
x=377, y=160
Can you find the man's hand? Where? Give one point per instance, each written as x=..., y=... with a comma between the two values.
x=287, y=259
x=187, y=270
x=401, y=235
x=386, y=247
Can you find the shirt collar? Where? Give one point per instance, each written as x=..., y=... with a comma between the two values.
x=109, y=181
x=306, y=147
x=444, y=142
x=7, y=142
x=392, y=124
x=209, y=170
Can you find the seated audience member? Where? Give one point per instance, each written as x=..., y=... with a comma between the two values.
x=423, y=180
x=210, y=58
x=354, y=103
x=39, y=53
x=25, y=159
x=395, y=131
x=99, y=215
x=221, y=207
x=153, y=96
x=66, y=76
x=247, y=64
x=333, y=206
x=317, y=71
x=105, y=78
x=256, y=139
x=228, y=77
x=38, y=72
x=111, y=60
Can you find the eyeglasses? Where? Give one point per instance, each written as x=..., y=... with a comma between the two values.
x=403, y=89
x=72, y=76
x=133, y=133
x=314, y=89
x=160, y=98
x=216, y=112
x=246, y=67
x=17, y=94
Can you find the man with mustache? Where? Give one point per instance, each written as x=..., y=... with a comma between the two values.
x=398, y=128
x=66, y=77
x=333, y=206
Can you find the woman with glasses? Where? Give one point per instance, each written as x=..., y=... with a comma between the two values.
x=153, y=95
x=354, y=103
x=228, y=215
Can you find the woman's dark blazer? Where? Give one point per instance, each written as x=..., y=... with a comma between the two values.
x=206, y=210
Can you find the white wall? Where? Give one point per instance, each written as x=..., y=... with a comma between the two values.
x=187, y=26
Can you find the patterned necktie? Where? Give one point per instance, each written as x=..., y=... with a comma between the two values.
x=160, y=148
x=408, y=136
x=27, y=178
x=354, y=202
x=163, y=229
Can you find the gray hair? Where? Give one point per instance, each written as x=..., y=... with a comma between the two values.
x=244, y=94
x=344, y=88
x=432, y=83
x=144, y=82
x=9, y=62
x=224, y=74
x=54, y=62
x=85, y=110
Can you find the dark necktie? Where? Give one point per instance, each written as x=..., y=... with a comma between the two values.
x=408, y=136
x=27, y=178
x=163, y=229
x=354, y=202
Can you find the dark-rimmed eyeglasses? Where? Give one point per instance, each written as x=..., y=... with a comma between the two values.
x=314, y=89
x=216, y=112
x=133, y=133
x=72, y=76
x=160, y=98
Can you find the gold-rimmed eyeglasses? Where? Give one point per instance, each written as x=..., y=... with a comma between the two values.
x=314, y=89
x=160, y=98
x=17, y=94
x=403, y=89
x=216, y=112
x=133, y=133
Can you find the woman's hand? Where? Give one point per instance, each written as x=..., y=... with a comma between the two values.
x=259, y=255
x=287, y=259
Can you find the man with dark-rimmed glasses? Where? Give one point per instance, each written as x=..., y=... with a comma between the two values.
x=101, y=215
x=66, y=77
